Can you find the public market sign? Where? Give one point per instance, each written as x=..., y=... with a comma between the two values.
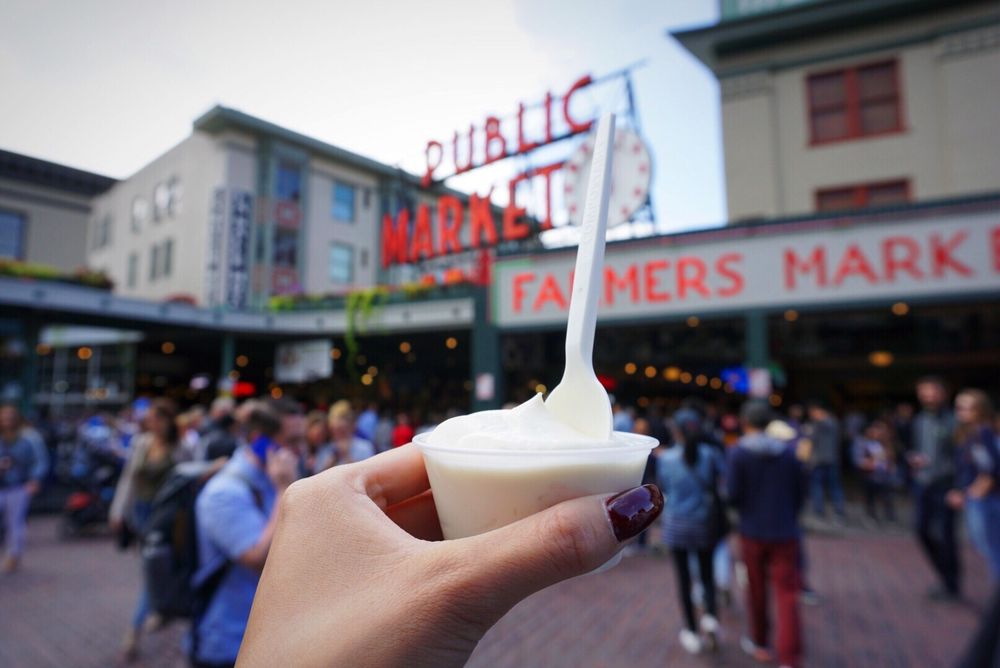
x=453, y=227
x=773, y=267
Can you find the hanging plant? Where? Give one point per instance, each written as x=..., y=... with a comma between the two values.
x=361, y=306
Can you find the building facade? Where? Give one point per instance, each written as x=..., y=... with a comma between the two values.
x=843, y=104
x=243, y=210
x=44, y=209
x=239, y=211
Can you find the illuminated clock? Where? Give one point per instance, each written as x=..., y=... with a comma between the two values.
x=631, y=174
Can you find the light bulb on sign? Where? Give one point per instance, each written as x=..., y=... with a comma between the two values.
x=630, y=177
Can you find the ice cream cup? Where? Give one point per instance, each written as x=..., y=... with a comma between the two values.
x=477, y=490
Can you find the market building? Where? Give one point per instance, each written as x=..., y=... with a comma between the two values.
x=862, y=248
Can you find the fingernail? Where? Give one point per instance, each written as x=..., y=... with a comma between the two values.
x=633, y=510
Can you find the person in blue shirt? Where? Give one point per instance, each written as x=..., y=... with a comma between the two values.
x=687, y=476
x=977, y=473
x=23, y=465
x=236, y=514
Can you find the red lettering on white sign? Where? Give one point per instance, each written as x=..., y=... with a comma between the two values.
x=691, y=280
x=893, y=262
x=734, y=277
x=630, y=282
x=652, y=281
x=519, y=281
x=550, y=292
x=941, y=253
x=854, y=261
x=816, y=262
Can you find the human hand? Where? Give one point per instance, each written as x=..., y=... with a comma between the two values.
x=354, y=579
x=916, y=460
x=32, y=487
x=955, y=499
x=282, y=467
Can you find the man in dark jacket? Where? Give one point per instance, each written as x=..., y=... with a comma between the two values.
x=932, y=460
x=766, y=484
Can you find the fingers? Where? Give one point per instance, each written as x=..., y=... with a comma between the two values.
x=568, y=539
x=392, y=477
x=417, y=516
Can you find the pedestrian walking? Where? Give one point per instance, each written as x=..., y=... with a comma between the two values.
x=932, y=462
x=977, y=475
x=345, y=445
x=765, y=483
x=823, y=431
x=874, y=455
x=152, y=456
x=23, y=465
x=236, y=514
x=688, y=476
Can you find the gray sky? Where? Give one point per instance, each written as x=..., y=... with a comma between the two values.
x=107, y=86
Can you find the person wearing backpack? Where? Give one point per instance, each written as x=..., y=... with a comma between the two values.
x=152, y=456
x=235, y=517
x=688, y=476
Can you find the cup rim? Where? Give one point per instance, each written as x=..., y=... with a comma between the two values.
x=641, y=442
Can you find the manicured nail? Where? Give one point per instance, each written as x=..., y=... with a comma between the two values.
x=633, y=510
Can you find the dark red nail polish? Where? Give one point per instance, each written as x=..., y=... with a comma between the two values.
x=633, y=510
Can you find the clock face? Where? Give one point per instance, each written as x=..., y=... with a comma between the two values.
x=630, y=177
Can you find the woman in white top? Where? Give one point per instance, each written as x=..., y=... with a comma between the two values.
x=344, y=446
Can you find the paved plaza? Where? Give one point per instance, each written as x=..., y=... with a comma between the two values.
x=72, y=600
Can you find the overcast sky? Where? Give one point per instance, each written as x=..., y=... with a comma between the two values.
x=108, y=86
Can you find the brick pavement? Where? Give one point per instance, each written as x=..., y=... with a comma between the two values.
x=72, y=601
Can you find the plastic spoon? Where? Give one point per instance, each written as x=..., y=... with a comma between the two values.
x=579, y=400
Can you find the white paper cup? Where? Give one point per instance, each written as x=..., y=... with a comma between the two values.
x=479, y=490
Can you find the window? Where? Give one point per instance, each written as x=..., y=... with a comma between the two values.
x=863, y=195
x=343, y=201
x=154, y=262
x=11, y=235
x=102, y=232
x=286, y=244
x=854, y=102
x=288, y=185
x=133, y=269
x=140, y=211
x=167, y=257
x=341, y=264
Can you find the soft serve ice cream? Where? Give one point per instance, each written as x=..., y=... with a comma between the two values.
x=491, y=468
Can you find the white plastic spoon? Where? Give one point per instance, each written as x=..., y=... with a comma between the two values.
x=579, y=400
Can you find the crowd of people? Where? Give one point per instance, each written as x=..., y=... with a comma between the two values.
x=766, y=468
x=748, y=474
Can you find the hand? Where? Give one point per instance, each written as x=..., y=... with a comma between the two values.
x=955, y=499
x=32, y=487
x=116, y=525
x=353, y=578
x=282, y=467
x=916, y=460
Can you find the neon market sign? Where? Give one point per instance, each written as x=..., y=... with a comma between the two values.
x=452, y=226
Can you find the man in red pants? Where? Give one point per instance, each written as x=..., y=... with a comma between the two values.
x=767, y=486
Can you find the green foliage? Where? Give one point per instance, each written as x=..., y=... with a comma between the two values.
x=43, y=272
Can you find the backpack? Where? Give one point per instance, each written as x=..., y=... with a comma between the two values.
x=170, y=547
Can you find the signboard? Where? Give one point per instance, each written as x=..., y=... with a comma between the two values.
x=238, y=250
x=216, y=236
x=303, y=361
x=775, y=268
x=739, y=9
x=415, y=234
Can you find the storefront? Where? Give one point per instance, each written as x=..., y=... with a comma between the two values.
x=851, y=308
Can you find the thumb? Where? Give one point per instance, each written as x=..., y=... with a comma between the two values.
x=569, y=539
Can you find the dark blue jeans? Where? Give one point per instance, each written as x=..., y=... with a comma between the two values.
x=826, y=476
x=935, y=527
